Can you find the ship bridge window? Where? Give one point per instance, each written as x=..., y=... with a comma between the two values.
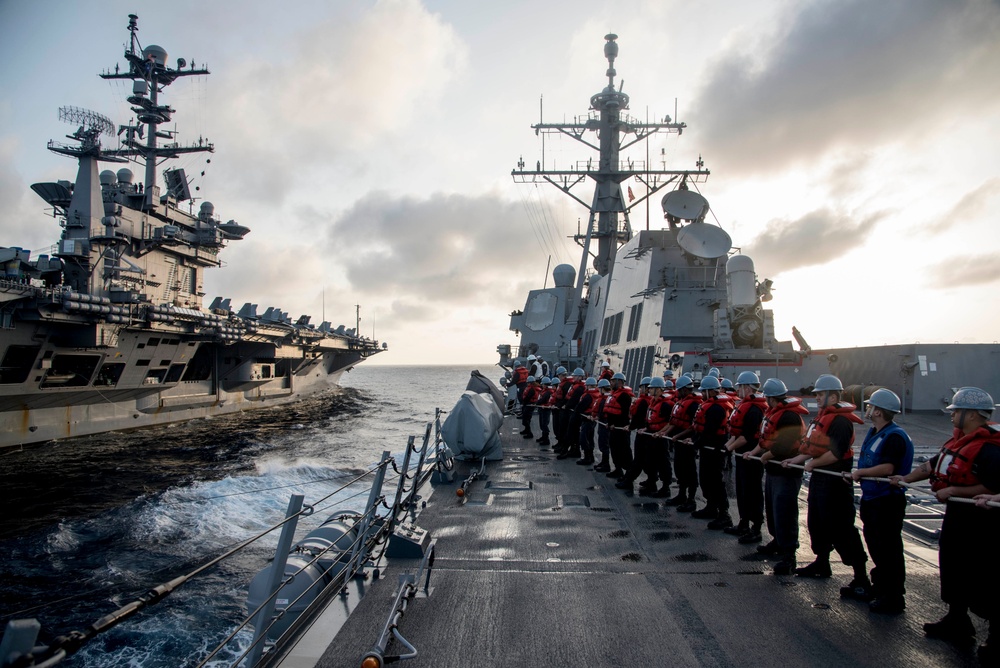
x=153, y=342
x=17, y=363
x=164, y=363
x=70, y=370
x=142, y=362
x=109, y=374
x=540, y=311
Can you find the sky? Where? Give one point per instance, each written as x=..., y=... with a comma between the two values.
x=368, y=145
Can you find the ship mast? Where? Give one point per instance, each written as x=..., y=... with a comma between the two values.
x=150, y=74
x=609, y=212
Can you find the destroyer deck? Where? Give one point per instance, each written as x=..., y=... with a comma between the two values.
x=546, y=562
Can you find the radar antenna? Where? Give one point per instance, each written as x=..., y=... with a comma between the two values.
x=88, y=120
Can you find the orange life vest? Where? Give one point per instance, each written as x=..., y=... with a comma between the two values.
x=699, y=417
x=769, y=425
x=739, y=414
x=595, y=401
x=954, y=464
x=520, y=375
x=817, y=440
x=679, y=415
x=658, y=414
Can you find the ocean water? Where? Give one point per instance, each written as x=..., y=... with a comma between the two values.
x=90, y=524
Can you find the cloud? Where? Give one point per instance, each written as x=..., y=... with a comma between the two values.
x=972, y=205
x=848, y=74
x=814, y=239
x=964, y=271
x=341, y=86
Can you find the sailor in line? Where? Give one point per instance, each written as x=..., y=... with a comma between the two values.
x=640, y=457
x=744, y=434
x=529, y=397
x=544, y=402
x=661, y=404
x=604, y=386
x=781, y=431
x=830, y=501
x=709, y=425
x=681, y=426
x=587, y=406
x=887, y=451
x=967, y=466
x=616, y=412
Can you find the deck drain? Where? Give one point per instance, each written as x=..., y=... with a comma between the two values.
x=573, y=500
x=621, y=533
x=631, y=556
x=721, y=584
x=600, y=509
x=694, y=557
x=508, y=485
x=661, y=536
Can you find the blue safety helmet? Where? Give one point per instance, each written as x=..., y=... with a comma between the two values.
x=657, y=382
x=618, y=376
x=748, y=378
x=604, y=382
x=531, y=379
x=773, y=387
x=727, y=384
x=645, y=381
x=684, y=381
x=546, y=380
x=828, y=383
x=710, y=383
x=885, y=399
x=579, y=372
x=591, y=382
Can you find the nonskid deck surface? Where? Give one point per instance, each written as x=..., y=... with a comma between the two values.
x=546, y=562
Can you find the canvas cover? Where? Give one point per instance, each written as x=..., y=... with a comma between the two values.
x=472, y=428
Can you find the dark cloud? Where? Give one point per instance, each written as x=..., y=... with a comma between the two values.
x=816, y=238
x=849, y=74
x=965, y=271
x=972, y=205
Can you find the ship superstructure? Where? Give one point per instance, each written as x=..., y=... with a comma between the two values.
x=682, y=297
x=110, y=331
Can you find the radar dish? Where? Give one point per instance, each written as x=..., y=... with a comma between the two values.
x=685, y=205
x=704, y=240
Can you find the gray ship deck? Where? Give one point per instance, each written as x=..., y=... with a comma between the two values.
x=548, y=563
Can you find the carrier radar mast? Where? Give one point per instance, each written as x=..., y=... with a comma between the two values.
x=609, y=212
x=150, y=74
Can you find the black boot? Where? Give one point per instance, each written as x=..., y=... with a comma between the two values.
x=739, y=529
x=723, y=521
x=586, y=460
x=569, y=452
x=817, y=569
x=752, y=535
x=678, y=500
x=786, y=566
x=955, y=627
x=770, y=549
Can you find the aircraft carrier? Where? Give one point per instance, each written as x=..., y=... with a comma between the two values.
x=108, y=330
